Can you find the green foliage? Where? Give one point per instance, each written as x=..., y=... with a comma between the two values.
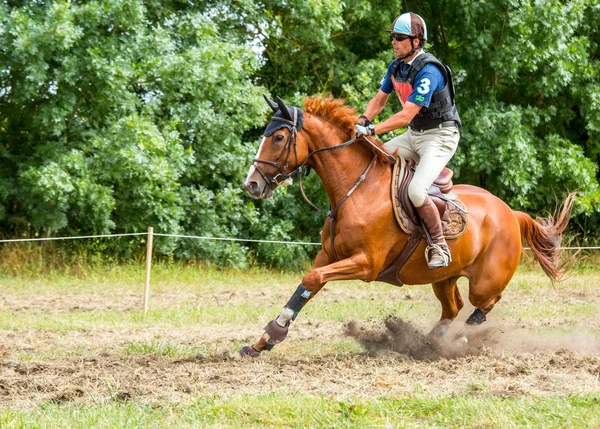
x=525, y=75
x=113, y=119
x=118, y=115
x=526, y=88
x=522, y=77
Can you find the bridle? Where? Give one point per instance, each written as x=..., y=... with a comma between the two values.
x=283, y=162
x=286, y=152
x=284, y=157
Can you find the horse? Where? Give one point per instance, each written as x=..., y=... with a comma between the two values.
x=361, y=236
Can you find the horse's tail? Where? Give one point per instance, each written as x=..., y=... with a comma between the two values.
x=544, y=236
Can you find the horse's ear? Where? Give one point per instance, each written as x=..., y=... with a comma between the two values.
x=283, y=108
x=271, y=103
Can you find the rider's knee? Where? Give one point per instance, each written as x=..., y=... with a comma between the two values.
x=417, y=194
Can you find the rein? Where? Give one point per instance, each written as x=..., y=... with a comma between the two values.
x=286, y=152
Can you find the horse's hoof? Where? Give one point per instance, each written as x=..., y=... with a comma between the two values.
x=249, y=352
x=439, y=331
x=461, y=341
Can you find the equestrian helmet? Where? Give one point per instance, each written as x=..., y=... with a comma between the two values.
x=410, y=24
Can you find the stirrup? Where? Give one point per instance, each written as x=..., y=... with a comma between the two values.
x=443, y=251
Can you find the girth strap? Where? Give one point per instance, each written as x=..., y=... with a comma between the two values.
x=391, y=274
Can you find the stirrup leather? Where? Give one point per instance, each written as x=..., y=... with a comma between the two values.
x=441, y=251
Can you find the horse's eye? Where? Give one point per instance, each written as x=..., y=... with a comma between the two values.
x=278, y=138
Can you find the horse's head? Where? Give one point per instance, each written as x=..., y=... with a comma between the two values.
x=279, y=154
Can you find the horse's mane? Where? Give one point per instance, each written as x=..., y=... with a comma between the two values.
x=334, y=111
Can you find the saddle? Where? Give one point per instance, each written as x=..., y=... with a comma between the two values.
x=453, y=212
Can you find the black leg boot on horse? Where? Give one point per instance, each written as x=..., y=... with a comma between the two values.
x=437, y=254
x=277, y=329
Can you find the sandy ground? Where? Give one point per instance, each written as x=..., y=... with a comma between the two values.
x=502, y=358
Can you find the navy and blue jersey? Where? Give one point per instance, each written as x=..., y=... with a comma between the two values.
x=429, y=80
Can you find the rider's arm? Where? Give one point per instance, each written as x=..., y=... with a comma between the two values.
x=376, y=105
x=399, y=120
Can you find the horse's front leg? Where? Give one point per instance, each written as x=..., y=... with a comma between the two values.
x=355, y=267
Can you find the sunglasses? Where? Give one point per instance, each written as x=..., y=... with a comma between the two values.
x=399, y=37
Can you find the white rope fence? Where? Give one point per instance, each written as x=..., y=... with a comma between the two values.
x=297, y=243
x=15, y=240
x=149, y=243
x=200, y=237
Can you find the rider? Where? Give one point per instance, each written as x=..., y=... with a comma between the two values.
x=424, y=86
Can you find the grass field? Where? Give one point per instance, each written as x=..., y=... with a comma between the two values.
x=77, y=352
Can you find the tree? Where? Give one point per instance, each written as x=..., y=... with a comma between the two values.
x=118, y=115
x=525, y=74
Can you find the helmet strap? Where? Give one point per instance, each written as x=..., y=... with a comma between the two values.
x=412, y=51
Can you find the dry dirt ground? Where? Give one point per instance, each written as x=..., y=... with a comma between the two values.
x=504, y=357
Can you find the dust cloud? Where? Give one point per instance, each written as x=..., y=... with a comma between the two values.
x=402, y=338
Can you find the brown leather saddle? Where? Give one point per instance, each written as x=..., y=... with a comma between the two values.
x=453, y=212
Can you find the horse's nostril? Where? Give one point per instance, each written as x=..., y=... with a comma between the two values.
x=251, y=186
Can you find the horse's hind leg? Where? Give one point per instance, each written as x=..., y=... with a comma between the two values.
x=485, y=290
x=478, y=316
x=486, y=285
x=491, y=273
x=449, y=296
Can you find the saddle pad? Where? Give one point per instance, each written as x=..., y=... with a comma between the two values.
x=454, y=219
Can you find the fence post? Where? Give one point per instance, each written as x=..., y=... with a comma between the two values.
x=148, y=267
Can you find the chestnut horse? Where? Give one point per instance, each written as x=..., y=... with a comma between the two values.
x=367, y=238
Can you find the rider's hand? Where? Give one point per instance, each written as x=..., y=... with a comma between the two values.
x=364, y=131
x=364, y=121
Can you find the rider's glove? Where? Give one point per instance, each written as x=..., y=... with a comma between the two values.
x=364, y=131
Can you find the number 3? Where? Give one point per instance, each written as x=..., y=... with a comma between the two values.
x=424, y=87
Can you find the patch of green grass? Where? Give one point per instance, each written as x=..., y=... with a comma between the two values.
x=163, y=348
x=479, y=408
x=202, y=315
x=179, y=350
x=534, y=310
x=164, y=278
x=338, y=345
x=297, y=410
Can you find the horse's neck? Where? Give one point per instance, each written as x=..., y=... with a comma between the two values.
x=339, y=169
